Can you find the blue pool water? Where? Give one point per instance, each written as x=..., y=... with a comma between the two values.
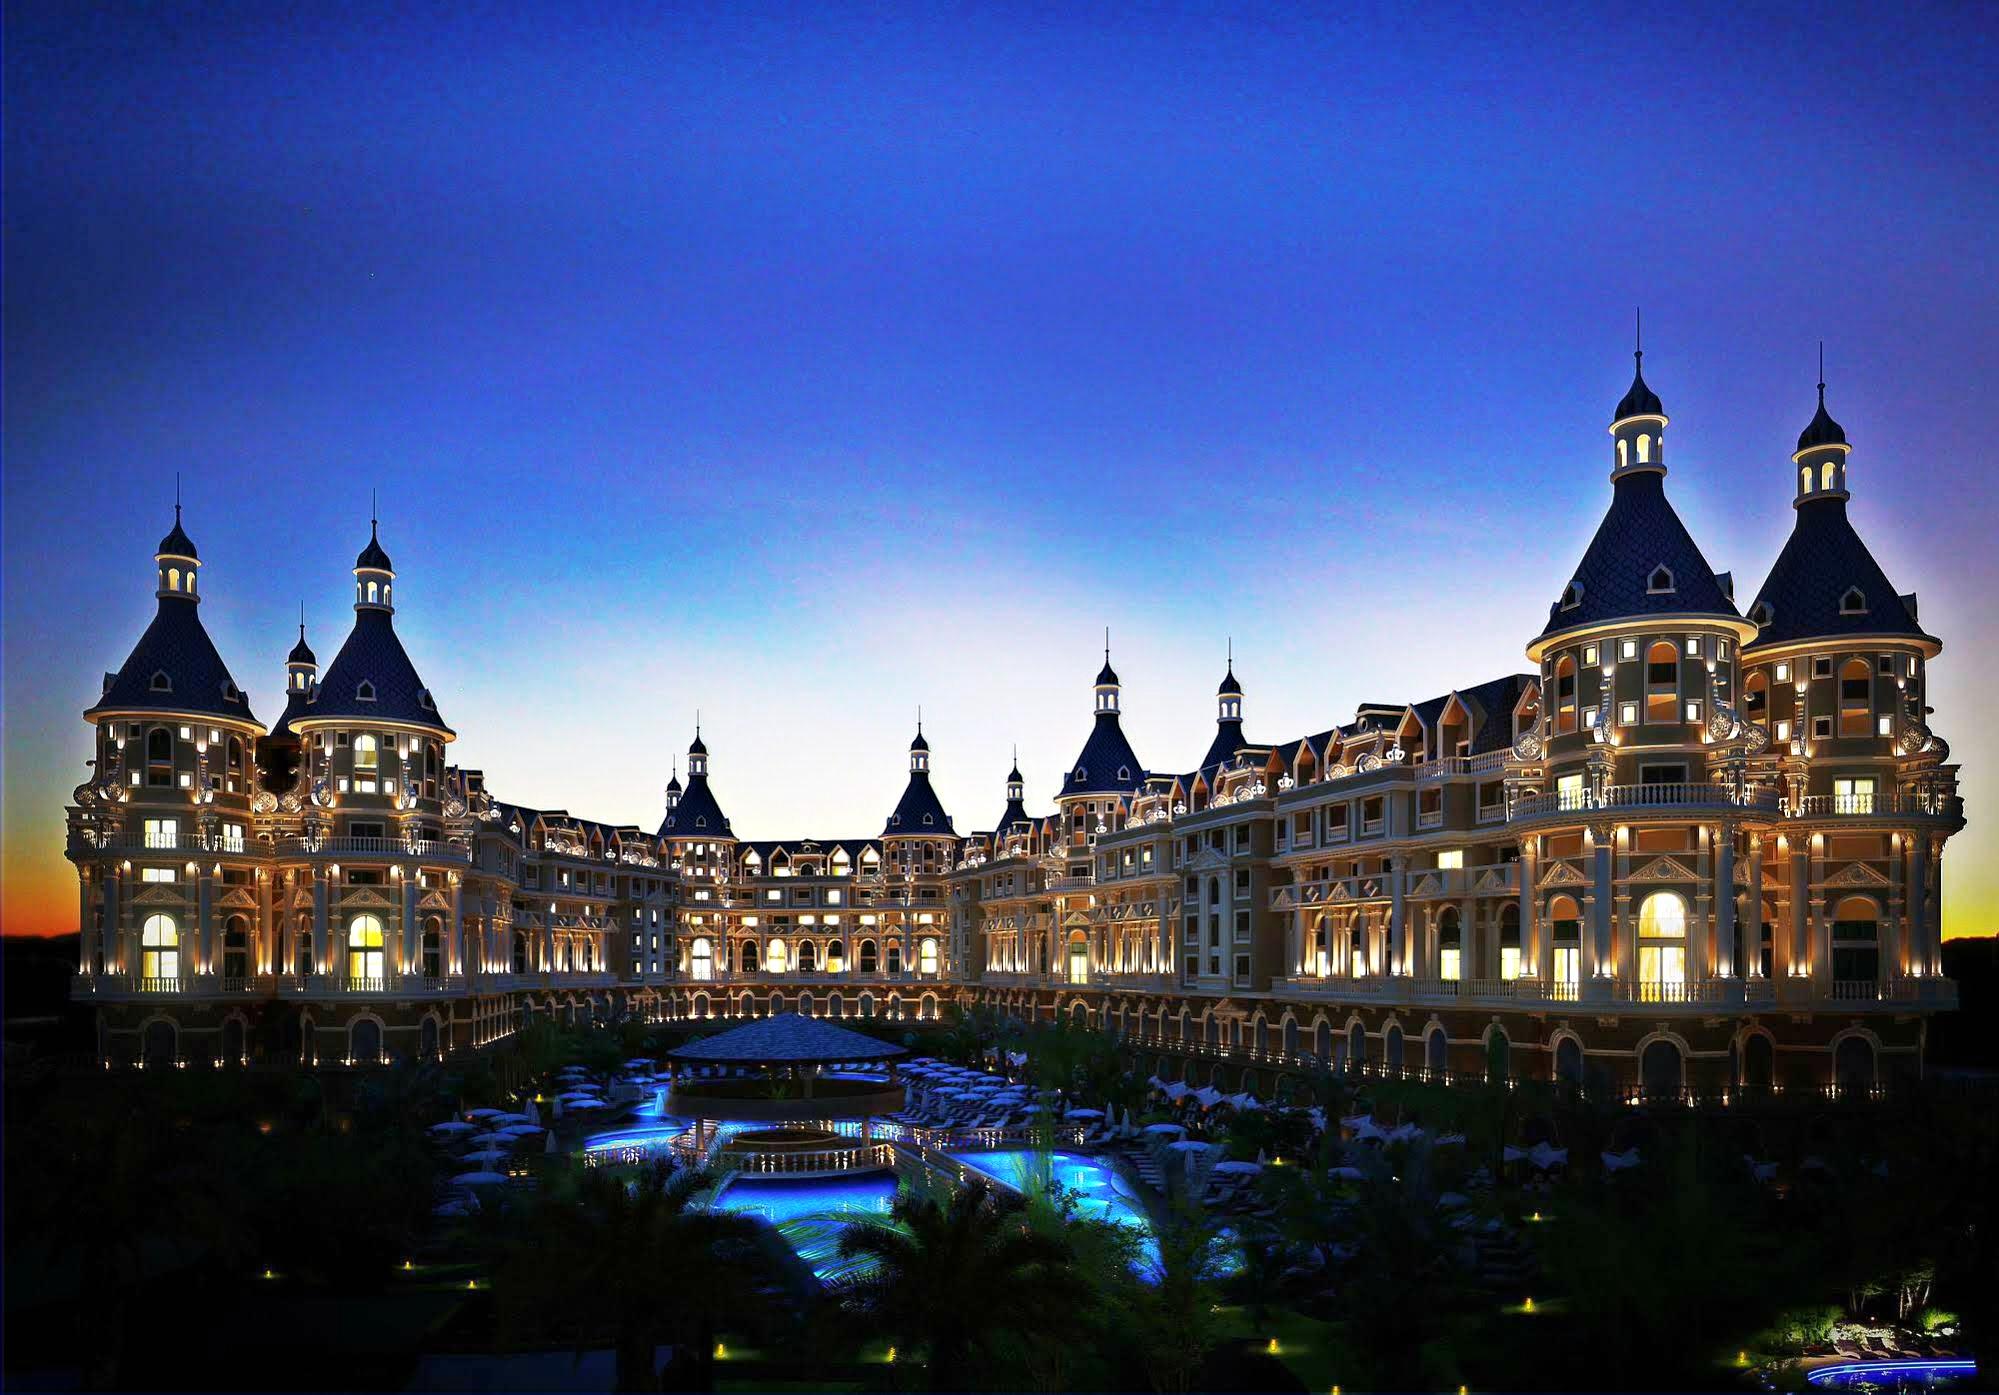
x=811, y=1212
x=1895, y=1375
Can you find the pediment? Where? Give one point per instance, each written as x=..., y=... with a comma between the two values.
x=1664, y=869
x=238, y=898
x=1429, y=884
x=1856, y=874
x=366, y=898
x=158, y=894
x=1490, y=881
x=1562, y=874
x=435, y=901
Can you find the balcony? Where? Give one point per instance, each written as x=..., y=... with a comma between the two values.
x=427, y=849
x=1663, y=796
x=1863, y=806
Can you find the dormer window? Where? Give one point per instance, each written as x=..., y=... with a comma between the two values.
x=1082, y=772
x=161, y=683
x=1763, y=614
x=1660, y=583
x=1124, y=772
x=423, y=700
x=229, y=693
x=1853, y=602
x=1572, y=595
x=365, y=692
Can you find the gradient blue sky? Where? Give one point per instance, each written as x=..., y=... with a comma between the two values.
x=805, y=364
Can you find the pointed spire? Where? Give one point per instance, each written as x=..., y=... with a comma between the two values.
x=1823, y=430
x=1107, y=676
x=1638, y=400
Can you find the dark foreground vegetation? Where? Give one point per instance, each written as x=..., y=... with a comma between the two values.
x=250, y=1230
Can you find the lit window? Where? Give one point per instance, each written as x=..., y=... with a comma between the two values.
x=159, y=943
x=1783, y=673
x=1627, y=714
x=1627, y=649
x=1451, y=860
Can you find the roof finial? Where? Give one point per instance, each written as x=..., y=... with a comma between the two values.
x=176, y=496
x=697, y=724
x=919, y=719
x=1821, y=372
x=1107, y=644
x=1638, y=333
x=301, y=618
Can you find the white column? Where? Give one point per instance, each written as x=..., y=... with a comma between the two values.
x=1724, y=905
x=86, y=931
x=204, y=918
x=407, y=938
x=319, y=947
x=1597, y=931
x=1398, y=915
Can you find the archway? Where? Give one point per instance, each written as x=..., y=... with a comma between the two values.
x=1661, y=1070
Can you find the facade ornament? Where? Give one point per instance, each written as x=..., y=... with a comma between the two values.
x=322, y=792
x=1529, y=747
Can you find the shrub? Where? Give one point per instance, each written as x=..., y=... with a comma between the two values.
x=1935, y=1319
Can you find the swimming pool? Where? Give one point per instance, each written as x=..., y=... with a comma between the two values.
x=811, y=1213
x=1895, y=1375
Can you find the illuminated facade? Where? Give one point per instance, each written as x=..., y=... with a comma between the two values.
x=1687, y=852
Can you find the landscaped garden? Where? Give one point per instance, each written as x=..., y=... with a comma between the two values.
x=1050, y=1216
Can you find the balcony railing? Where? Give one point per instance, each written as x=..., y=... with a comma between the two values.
x=1661, y=796
x=1815, y=806
x=431, y=848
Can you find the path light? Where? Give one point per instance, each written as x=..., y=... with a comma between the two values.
x=891, y=1356
x=1528, y=1306
x=1272, y=1348
x=409, y=1266
x=721, y=1352
x=269, y=1275
x=471, y=1285
x=1742, y=1358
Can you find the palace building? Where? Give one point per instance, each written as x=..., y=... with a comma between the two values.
x=1688, y=851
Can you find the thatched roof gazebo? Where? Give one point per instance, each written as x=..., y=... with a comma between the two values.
x=786, y=1040
x=769, y=1072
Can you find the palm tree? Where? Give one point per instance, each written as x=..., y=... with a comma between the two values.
x=953, y=1279
x=643, y=1257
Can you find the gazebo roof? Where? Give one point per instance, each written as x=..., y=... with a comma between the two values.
x=785, y=1039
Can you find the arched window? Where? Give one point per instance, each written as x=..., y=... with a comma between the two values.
x=433, y=948
x=1565, y=694
x=365, y=959
x=926, y=956
x=1661, y=1071
x=836, y=959
x=364, y=1042
x=1079, y=960
x=1856, y=941
x=159, y=757
x=1437, y=1050
x=1391, y=1049
x=1826, y=475
x=1569, y=1061
x=746, y=957
x=1853, y=1066
x=808, y=957
x=1498, y=1057
x=367, y=755
x=701, y=960
x=869, y=962
x=893, y=959
x=520, y=952
x=1662, y=946
x=1856, y=699
x=1756, y=699
x=236, y=948
x=159, y=944
x=1758, y=1061
x=1356, y=1047
x=1662, y=683
x=1450, y=946
x=1565, y=933
x=1804, y=479
x=1644, y=448
x=1509, y=940
x=1623, y=452
x=235, y=773
x=776, y=959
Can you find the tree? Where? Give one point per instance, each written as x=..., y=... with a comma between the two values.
x=954, y=1279
x=640, y=1260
